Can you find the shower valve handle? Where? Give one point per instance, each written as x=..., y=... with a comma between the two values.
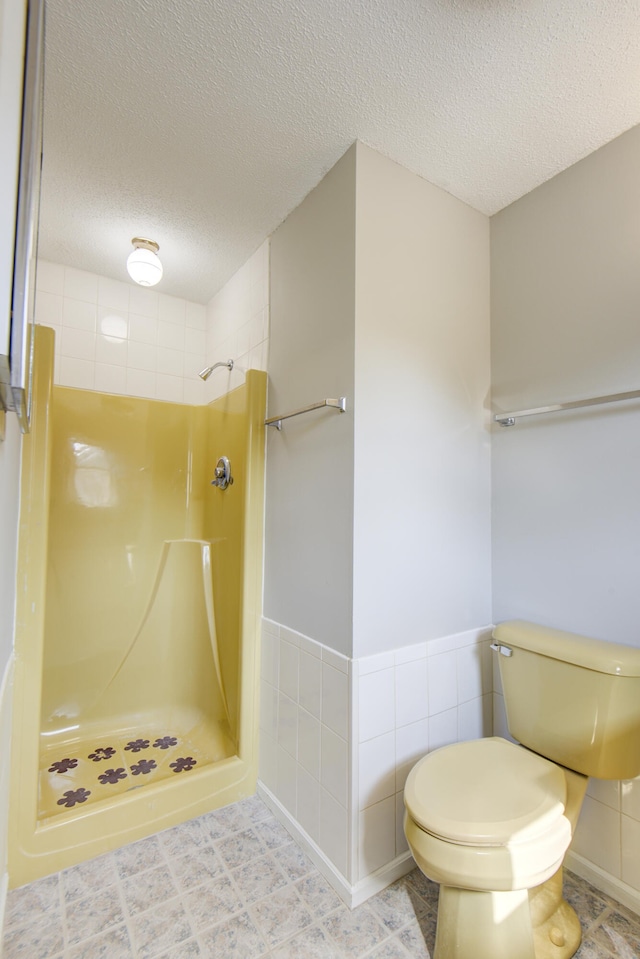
x=223, y=477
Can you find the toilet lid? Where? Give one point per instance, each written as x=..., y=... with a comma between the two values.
x=485, y=792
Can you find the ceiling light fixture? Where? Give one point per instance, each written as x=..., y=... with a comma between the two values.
x=143, y=263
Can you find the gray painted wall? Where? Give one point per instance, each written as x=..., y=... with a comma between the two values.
x=378, y=522
x=422, y=546
x=309, y=505
x=565, y=325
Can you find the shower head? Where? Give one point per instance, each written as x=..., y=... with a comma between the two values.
x=206, y=373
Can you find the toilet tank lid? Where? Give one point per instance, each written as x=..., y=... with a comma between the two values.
x=596, y=654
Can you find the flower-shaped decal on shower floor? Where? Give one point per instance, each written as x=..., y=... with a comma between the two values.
x=136, y=745
x=112, y=776
x=99, y=754
x=143, y=767
x=73, y=796
x=164, y=742
x=63, y=765
x=186, y=763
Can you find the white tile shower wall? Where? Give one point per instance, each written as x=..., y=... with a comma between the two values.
x=339, y=736
x=115, y=337
x=238, y=324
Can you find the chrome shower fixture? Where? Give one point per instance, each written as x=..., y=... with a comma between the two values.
x=223, y=477
x=206, y=373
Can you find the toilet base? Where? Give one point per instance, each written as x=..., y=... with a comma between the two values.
x=556, y=927
x=519, y=924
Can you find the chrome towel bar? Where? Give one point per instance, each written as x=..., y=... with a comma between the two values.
x=509, y=419
x=340, y=405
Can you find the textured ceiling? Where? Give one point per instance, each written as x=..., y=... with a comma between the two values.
x=203, y=123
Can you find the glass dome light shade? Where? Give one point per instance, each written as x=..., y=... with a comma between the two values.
x=144, y=267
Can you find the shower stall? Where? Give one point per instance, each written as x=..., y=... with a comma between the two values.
x=138, y=616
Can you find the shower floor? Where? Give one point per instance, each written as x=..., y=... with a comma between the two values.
x=77, y=772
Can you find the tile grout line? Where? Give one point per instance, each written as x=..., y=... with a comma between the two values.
x=251, y=908
x=194, y=928
x=595, y=925
x=63, y=913
x=167, y=860
x=228, y=874
x=115, y=885
x=176, y=898
x=125, y=913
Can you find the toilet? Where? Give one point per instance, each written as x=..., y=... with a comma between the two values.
x=491, y=820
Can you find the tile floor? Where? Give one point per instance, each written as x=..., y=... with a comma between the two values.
x=233, y=885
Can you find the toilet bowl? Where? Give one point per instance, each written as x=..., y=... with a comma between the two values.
x=491, y=820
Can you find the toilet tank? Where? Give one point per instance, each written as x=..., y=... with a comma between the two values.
x=572, y=699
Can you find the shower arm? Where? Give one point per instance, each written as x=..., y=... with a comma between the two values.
x=208, y=370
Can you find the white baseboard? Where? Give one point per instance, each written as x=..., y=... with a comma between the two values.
x=381, y=878
x=352, y=896
x=604, y=881
x=313, y=851
x=355, y=895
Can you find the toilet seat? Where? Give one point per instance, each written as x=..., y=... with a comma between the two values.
x=487, y=792
x=487, y=815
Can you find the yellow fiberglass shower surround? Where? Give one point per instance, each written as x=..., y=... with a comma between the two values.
x=139, y=587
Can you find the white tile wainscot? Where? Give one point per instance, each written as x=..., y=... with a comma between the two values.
x=339, y=736
x=607, y=839
x=408, y=702
x=305, y=755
